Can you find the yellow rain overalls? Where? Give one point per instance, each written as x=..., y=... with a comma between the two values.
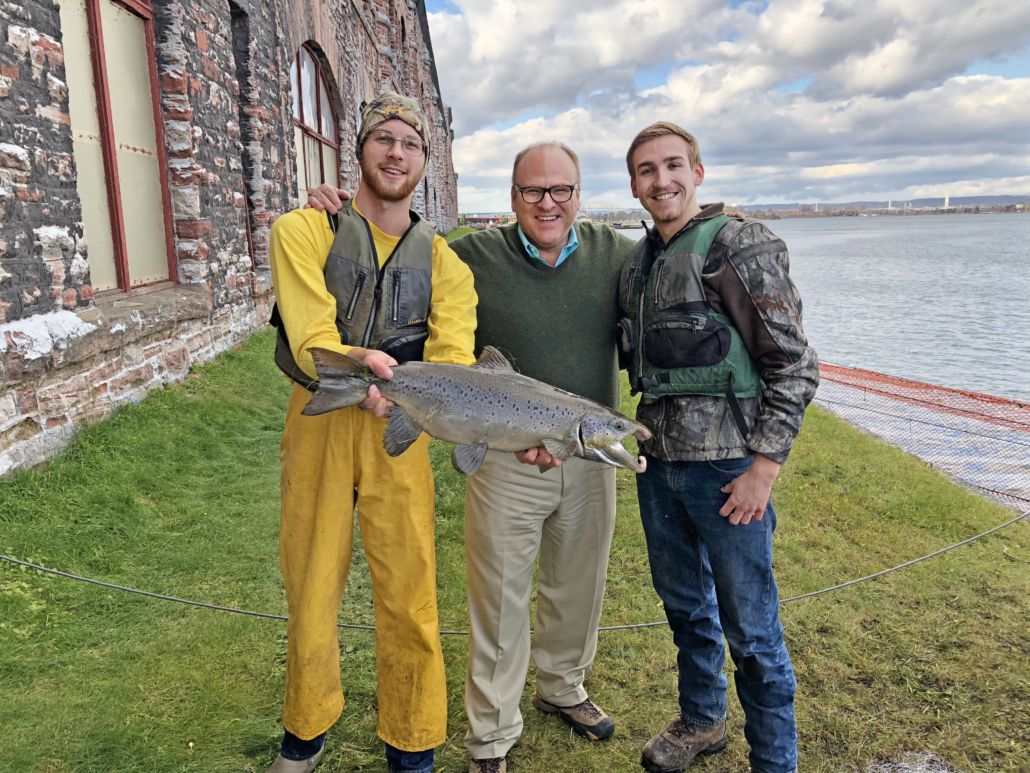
x=326, y=460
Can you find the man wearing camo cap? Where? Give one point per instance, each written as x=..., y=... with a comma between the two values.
x=374, y=282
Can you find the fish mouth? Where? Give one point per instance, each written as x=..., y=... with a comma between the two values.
x=617, y=456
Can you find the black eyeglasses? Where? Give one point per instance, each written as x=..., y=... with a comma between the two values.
x=412, y=146
x=559, y=193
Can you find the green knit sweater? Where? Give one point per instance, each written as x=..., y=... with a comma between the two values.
x=558, y=324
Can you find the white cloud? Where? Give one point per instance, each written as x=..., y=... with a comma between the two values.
x=886, y=108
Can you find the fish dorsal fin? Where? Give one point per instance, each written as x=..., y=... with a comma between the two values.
x=492, y=359
x=468, y=457
x=400, y=433
x=561, y=449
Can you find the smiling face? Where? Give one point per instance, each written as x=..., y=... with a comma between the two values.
x=664, y=181
x=546, y=224
x=391, y=174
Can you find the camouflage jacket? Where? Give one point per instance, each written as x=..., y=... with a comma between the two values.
x=746, y=277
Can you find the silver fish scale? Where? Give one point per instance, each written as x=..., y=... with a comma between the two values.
x=503, y=409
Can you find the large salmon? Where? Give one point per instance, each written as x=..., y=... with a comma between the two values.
x=485, y=406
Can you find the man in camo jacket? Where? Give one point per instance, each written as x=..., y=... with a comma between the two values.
x=713, y=340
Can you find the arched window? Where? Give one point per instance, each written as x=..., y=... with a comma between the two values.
x=314, y=124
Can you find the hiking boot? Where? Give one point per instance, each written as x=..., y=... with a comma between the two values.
x=673, y=749
x=492, y=765
x=283, y=765
x=585, y=718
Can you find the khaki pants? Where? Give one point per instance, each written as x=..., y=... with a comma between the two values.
x=512, y=513
x=324, y=460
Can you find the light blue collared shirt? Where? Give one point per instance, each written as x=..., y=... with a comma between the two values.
x=567, y=250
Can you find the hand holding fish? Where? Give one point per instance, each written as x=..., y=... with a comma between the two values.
x=537, y=456
x=380, y=364
x=478, y=408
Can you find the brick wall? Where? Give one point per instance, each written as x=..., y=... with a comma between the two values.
x=67, y=357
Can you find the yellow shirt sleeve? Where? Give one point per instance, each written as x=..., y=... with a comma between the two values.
x=452, y=315
x=298, y=248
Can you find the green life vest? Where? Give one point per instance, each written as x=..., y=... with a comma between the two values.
x=676, y=344
x=376, y=308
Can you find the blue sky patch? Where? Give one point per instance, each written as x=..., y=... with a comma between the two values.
x=798, y=84
x=1015, y=65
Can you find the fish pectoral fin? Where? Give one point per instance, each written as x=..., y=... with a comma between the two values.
x=491, y=359
x=561, y=449
x=468, y=457
x=400, y=433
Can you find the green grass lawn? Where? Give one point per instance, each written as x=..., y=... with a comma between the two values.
x=457, y=233
x=179, y=495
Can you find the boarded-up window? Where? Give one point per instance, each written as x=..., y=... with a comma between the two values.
x=118, y=141
x=314, y=124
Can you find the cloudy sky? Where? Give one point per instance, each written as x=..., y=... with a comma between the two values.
x=791, y=100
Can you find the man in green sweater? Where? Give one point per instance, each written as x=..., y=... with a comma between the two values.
x=547, y=299
x=547, y=288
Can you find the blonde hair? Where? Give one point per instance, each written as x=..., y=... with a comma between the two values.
x=545, y=144
x=663, y=129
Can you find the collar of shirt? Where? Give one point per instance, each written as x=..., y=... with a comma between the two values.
x=567, y=250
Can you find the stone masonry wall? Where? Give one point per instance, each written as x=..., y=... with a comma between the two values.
x=67, y=357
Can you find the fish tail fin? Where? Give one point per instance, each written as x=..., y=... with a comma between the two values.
x=342, y=381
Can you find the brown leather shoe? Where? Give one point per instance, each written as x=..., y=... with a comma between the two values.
x=585, y=718
x=492, y=765
x=673, y=749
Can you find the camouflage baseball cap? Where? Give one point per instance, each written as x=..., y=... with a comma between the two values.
x=386, y=107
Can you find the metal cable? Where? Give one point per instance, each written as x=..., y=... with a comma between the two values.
x=466, y=633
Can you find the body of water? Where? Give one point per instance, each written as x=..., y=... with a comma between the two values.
x=943, y=299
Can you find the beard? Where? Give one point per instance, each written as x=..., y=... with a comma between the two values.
x=371, y=178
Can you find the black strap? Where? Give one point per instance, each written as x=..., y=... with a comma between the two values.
x=647, y=384
x=737, y=413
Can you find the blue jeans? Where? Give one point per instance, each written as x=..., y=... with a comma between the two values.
x=398, y=761
x=716, y=580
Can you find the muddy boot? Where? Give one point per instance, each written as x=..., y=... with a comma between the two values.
x=585, y=718
x=673, y=749
x=492, y=765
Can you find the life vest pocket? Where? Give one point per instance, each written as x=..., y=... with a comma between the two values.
x=686, y=342
x=626, y=343
x=627, y=288
x=678, y=284
x=406, y=348
x=407, y=293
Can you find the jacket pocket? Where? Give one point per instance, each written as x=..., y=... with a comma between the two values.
x=409, y=347
x=626, y=343
x=406, y=297
x=627, y=295
x=686, y=342
x=678, y=285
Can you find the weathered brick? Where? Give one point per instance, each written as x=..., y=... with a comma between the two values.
x=27, y=401
x=131, y=379
x=63, y=396
x=229, y=141
x=8, y=406
x=193, y=229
